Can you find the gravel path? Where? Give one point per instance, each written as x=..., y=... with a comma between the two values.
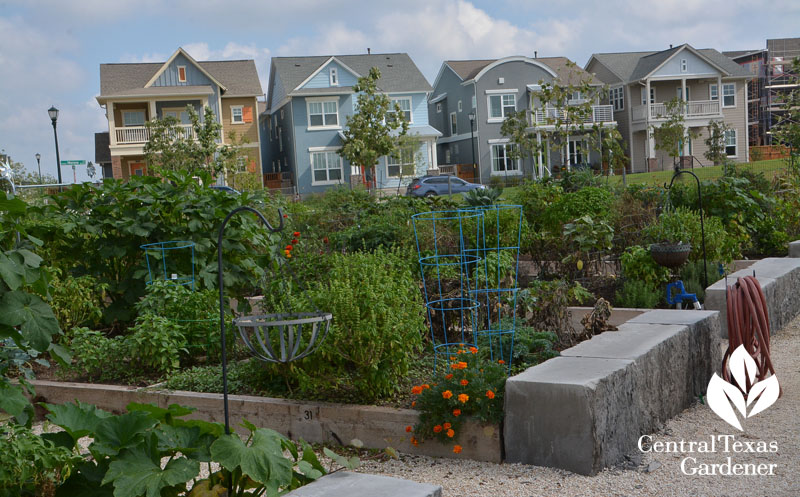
x=658, y=474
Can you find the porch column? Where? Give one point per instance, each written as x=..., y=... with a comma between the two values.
x=647, y=99
x=112, y=132
x=719, y=92
x=152, y=107
x=566, y=150
x=539, y=148
x=685, y=98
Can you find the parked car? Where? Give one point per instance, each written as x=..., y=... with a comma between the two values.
x=428, y=186
x=226, y=189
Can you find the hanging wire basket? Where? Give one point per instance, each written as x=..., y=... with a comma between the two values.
x=283, y=338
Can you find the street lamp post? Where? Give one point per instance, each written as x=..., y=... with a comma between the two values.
x=472, y=141
x=39, y=165
x=53, y=113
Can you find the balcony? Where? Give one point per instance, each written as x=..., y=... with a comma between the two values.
x=551, y=116
x=139, y=135
x=694, y=109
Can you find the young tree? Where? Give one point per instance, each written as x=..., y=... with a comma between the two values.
x=172, y=148
x=368, y=133
x=673, y=132
x=787, y=131
x=715, y=144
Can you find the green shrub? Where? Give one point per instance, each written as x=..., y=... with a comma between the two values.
x=98, y=356
x=638, y=294
x=683, y=224
x=590, y=201
x=638, y=264
x=30, y=465
x=692, y=277
x=76, y=301
x=156, y=343
x=209, y=378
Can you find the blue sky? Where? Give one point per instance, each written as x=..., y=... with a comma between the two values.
x=50, y=50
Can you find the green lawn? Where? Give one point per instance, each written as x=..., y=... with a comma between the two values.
x=770, y=168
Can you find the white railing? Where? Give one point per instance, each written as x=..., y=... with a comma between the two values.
x=691, y=109
x=129, y=135
x=551, y=115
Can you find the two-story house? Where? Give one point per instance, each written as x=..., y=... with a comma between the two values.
x=472, y=98
x=712, y=86
x=309, y=100
x=135, y=93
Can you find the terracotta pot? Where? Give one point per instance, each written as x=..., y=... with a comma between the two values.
x=670, y=255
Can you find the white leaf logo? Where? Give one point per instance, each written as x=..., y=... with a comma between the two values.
x=721, y=394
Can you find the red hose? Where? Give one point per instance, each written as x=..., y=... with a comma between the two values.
x=748, y=325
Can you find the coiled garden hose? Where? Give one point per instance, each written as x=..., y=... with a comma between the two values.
x=748, y=325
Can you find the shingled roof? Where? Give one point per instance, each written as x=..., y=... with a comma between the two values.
x=568, y=72
x=239, y=77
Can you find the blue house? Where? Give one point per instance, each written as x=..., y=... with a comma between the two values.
x=308, y=103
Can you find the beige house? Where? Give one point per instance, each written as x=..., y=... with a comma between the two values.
x=133, y=94
x=640, y=83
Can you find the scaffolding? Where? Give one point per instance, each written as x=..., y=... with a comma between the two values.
x=781, y=78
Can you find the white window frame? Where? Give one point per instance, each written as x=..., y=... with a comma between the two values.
x=333, y=76
x=322, y=101
x=460, y=108
x=728, y=85
x=399, y=164
x=280, y=139
x=447, y=155
x=735, y=135
x=132, y=111
x=240, y=108
x=474, y=102
x=678, y=93
x=177, y=110
x=506, y=160
x=578, y=147
x=410, y=110
x=503, y=114
x=453, y=124
x=713, y=92
x=617, y=96
x=327, y=151
x=184, y=74
x=684, y=65
x=439, y=107
x=652, y=95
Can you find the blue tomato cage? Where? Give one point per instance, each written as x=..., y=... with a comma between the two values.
x=170, y=261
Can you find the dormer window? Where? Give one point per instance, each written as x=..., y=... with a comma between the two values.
x=181, y=74
x=334, y=75
x=684, y=65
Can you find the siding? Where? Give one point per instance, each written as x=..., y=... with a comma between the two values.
x=695, y=65
x=322, y=79
x=194, y=77
x=247, y=131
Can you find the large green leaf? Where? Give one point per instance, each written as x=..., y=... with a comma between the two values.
x=77, y=419
x=86, y=480
x=134, y=474
x=188, y=440
x=12, y=273
x=164, y=415
x=14, y=402
x=32, y=315
x=262, y=461
x=119, y=432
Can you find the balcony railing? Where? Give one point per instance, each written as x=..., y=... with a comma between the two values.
x=131, y=135
x=691, y=109
x=553, y=115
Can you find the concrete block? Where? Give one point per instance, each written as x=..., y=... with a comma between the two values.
x=347, y=484
x=794, y=248
x=779, y=278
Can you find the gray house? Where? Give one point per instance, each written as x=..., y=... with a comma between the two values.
x=308, y=104
x=471, y=99
x=713, y=86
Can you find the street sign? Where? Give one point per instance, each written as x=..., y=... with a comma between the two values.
x=73, y=163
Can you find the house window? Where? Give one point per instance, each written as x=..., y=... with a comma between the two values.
x=576, y=150
x=133, y=118
x=323, y=113
x=501, y=106
x=280, y=139
x=334, y=77
x=501, y=162
x=180, y=115
x=405, y=107
x=459, y=106
x=327, y=167
x=679, y=93
x=474, y=102
x=438, y=107
x=730, y=143
x=237, y=117
x=455, y=149
x=275, y=127
x=652, y=96
x=617, y=99
x=281, y=114
x=729, y=95
x=402, y=164
x=713, y=92
x=181, y=74
x=684, y=65
x=447, y=156
x=453, y=124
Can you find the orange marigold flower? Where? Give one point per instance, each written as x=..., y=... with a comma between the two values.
x=452, y=358
x=501, y=361
x=414, y=441
x=457, y=449
x=296, y=234
x=460, y=352
x=490, y=394
x=463, y=398
x=409, y=429
x=473, y=350
x=289, y=247
x=448, y=376
x=414, y=403
x=451, y=433
x=294, y=240
x=462, y=365
x=425, y=386
x=464, y=383
x=416, y=390
x=447, y=394
x=288, y=255
x=456, y=412
x=446, y=426
x=437, y=429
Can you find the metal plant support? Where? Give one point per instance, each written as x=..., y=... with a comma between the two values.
x=702, y=225
x=162, y=262
x=279, y=338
